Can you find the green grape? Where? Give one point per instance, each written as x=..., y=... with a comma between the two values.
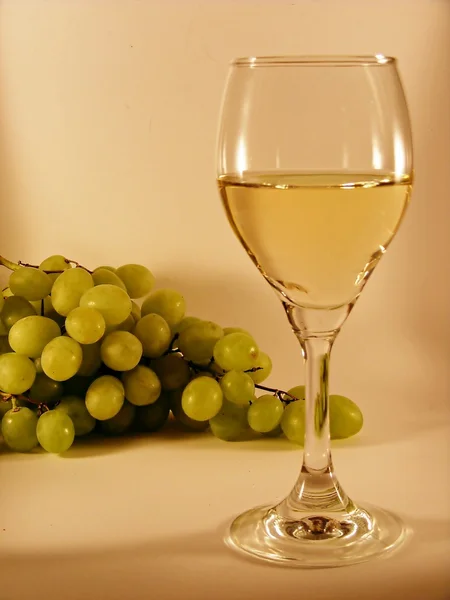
x=3, y=330
x=169, y=304
x=153, y=416
x=91, y=361
x=228, y=330
x=107, y=267
x=110, y=300
x=30, y=335
x=265, y=413
x=54, y=263
x=105, y=397
x=154, y=334
x=297, y=392
x=185, y=323
x=215, y=369
x=4, y=345
x=19, y=429
x=277, y=432
x=45, y=309
x=61, y=358
x=75, y=408
x=38, y=306
x=17, y=373
x=55, y=431
x=197, y=342
x=173, y=371
x=236, y=351
x=122, y=422
x=45, y=390
x=38, y=365
x=142, y=386
x=230, y=422
x=202, y=374
x=138, y=279
x=102, y=275
x=180, y=416
x=30, y=283
x=68, y=289
x=78, y=385
x=293, y=422
x=121, y=351
x=127, y=325
x=238, y=387
x=202, y=399
x=5, y=405
x=265, y=368
x=135, y=311
x=346, y=418
x=14, y=309
x=85, y=325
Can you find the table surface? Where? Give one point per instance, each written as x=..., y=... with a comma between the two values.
x=145, y=517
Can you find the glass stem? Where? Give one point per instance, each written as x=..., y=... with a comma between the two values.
x=317, y=491
x=317, y=453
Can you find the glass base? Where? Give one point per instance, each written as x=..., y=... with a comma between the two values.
x=317, y=540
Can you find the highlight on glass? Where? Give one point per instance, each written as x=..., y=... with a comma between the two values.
x=315, y=172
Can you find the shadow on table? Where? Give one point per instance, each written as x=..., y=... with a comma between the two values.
x=99, y=445
x=200, y=566
x=209, y=543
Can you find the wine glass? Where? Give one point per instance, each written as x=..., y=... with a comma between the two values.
x=315, y=173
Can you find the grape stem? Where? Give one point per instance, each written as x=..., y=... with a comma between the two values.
x=28, y=399
x=12, y=266
x=281, y=394
x=4, y=397
x=77, y=264
x=24, y=264
x=285, y=397
x=171, y=349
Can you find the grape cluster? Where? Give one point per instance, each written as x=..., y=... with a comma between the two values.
x=78, y=354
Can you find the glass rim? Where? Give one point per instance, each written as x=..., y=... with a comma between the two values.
x=314, y=61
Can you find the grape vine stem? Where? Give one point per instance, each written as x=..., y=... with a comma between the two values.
x=12, y=266
x=280, y=393
x=4, y=397
x=285, y=397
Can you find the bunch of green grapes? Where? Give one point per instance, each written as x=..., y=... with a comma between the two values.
x=101, y=350
x=230, y=369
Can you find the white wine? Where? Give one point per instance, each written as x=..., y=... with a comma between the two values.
x=315, y=237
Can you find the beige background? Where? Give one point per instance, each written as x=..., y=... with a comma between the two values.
x=109, y=113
